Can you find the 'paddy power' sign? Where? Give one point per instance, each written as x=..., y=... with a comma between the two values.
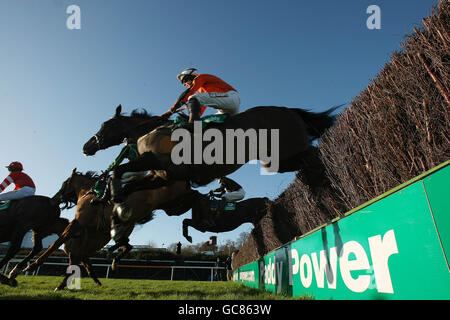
x=356, y=272
x=394, y=248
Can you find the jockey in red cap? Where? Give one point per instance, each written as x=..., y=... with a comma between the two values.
x=24, y=185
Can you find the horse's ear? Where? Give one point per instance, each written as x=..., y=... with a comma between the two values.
x=74, y=171
x=118, y=110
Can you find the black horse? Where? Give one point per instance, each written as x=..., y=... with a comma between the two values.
x=296, y=129
x=247, y=211
x=37, y=213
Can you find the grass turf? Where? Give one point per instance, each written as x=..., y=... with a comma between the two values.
x=41, y=287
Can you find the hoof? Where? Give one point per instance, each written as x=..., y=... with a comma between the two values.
x=7, y=281
x=12, y=282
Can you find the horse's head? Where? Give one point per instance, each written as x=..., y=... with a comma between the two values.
x=68, y=194
x=113, y=131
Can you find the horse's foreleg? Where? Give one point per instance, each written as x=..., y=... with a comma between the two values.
x=111, y=250
x=147, y=161
x=69, y=232
x=88, y=266
x=186, y=225
x=37, y=247
x=14, y=247
x=63, y=283
x=125, y=249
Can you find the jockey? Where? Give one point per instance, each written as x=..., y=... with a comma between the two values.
x=205, y=90
x=24, y=185
x=130, y=152
x=229, y=191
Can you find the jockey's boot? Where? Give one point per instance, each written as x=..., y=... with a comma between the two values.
x=221, y=206
x=194, y=113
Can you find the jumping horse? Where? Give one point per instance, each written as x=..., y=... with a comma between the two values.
x=37, y=213
x=89, y=231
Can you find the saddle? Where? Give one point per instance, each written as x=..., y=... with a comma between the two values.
x=4, y=205
x=229, y=206
x=207, y=121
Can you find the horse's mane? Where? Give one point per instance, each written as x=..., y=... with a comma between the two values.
x=140, y=113
x=89, y=174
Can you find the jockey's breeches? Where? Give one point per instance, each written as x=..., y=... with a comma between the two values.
x=234, y=195
x=18, y=194
x=224, y=102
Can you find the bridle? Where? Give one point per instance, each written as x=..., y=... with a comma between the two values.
x=98, y=138
x=97, y=141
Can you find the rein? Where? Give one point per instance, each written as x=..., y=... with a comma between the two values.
x=143, y=123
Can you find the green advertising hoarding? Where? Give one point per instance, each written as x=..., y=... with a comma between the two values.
x=393, y=248
x=248, y=274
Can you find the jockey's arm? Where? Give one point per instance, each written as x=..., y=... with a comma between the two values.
x=8, y=180
x=119, y=159
x=181, y=100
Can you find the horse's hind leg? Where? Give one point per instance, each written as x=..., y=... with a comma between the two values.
x=186, y=224
x=112, y=249
x=126, y=247
x=37, y=241
x=69, y=232
x=14, y=247
x=88, y=266
x=147, y=161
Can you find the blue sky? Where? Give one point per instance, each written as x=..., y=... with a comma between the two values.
x=58, y=85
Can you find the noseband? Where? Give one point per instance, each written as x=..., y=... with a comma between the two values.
x=98, y=141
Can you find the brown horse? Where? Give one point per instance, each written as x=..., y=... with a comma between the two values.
x=37, y=213
x=295, y=129
x=88, y=232
x=247, y=211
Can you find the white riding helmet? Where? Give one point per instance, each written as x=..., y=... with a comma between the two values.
x=186, y=74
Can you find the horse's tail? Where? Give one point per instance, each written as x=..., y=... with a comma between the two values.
x=317, y=122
